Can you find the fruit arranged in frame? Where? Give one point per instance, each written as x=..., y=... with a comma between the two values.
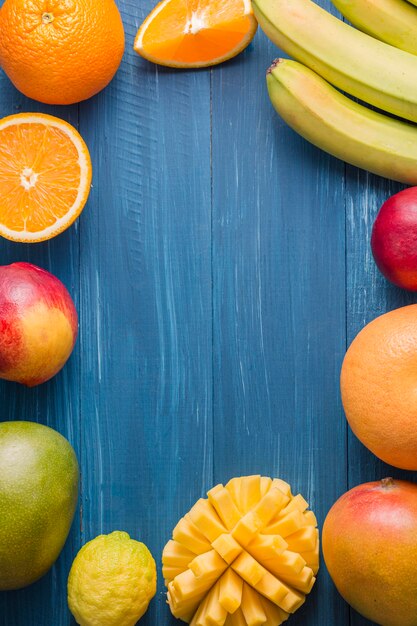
x=247, y=555
x=38, y=497
x=38, y=323
x=45, y=176
x=196, y=33
x=364, y=67
x=111, y=582
x=378, y=387
x=394, y=239
x=392, y=21
x=341, y=127
x=60, y=52
x=370, y=550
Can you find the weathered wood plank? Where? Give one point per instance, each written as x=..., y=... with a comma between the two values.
x=145, y=303
x=279, y=302
x=171, y=281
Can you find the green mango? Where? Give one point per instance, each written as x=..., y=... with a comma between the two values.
x=38, y=496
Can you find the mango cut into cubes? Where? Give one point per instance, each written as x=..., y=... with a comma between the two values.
x=246, y=556
x=230, y=592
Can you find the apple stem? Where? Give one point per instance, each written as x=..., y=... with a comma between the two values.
x=387, y=483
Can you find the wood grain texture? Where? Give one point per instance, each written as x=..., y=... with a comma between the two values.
x=146, y=304
x=220, y=269
x=279, y=301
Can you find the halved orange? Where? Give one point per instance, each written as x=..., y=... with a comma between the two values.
x=45, y=176
x=196, y=33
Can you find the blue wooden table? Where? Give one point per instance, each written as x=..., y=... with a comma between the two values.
x=220, y=269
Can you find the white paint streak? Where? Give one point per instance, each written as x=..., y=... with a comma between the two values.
x=98, y=328
x=99, y=467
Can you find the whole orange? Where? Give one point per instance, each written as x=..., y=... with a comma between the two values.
x=60, y=51
x=379, y=387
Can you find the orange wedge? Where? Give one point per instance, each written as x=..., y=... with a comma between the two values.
x=196, y=33
x=45, y=176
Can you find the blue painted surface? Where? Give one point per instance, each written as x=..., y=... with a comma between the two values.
x=220, y=269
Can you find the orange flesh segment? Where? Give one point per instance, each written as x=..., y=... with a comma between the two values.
x=49, y=164
x=196, y=32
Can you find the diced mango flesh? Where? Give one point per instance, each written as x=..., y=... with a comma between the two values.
x=270, y=505
x=290, y=563
x=237, y=619
x=246, y=528
x=266, y=546
x=230, y=592
x=303, y=582
x=175, y=560
x=248, y=568
x=187, y=586
x=274, y=615
x=271, y=588
x=292, y=601
x=223, y=503
x=250, y=493
x=246, y=556
x=312, y=557
x=281, y=484
x=266, y=483
x=227, y=547
x=296, y=504
x=206, y=519
x=286, y=525
x=208, y=565
x=176, y=555
x=233, y=487
x=171, y=572
x=214, y=614
x=252, y=607
x=303, y=540
x=310, y=518
x=186, y=533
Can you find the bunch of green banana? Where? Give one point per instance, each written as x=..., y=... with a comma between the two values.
x=371, y=70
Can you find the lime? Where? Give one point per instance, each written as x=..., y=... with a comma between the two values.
x=111, y=582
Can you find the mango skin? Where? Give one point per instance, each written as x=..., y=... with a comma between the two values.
x=370, y=549
x=38, y=496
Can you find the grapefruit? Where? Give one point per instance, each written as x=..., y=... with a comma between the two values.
x=378, y=385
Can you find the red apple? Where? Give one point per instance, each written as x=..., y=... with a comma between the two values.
x=370, y=549
x=394, y=239
x=38, y=324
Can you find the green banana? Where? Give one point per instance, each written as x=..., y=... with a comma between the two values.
x=362, y=66
x=347, y=130
x=392, y=21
